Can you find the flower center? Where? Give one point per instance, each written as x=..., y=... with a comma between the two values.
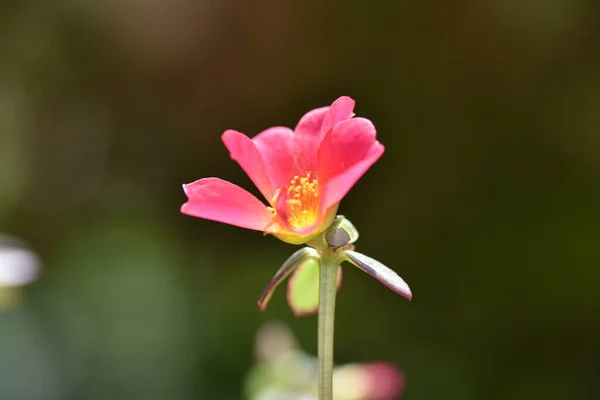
x=303, y=202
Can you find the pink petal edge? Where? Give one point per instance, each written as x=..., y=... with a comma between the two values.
x=340, y=110
x=218, y=200
x=243, y=150
x=319, y=121
x=337, y=187
x=345, y=154
x=311, y=122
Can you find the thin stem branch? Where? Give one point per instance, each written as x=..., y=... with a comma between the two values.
x=327, y=292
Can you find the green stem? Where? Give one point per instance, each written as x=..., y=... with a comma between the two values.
x=327, y=292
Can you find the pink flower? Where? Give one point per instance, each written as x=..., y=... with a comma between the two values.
x=302, y=173
x=374, y=381
x=385, y=381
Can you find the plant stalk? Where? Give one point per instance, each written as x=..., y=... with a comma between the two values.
x=327, y=292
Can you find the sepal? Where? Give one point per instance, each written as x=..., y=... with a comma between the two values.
x=346, y=225
x=299, y=257
x=380, y=272
x=340, y=222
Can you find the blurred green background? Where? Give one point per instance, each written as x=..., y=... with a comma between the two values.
x=486, y=200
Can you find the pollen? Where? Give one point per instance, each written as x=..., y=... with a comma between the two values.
x=302, y=200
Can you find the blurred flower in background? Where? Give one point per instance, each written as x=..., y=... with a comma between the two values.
x=284, y=372
x=19, y=266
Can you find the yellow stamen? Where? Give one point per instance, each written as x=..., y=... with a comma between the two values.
x=302, y=202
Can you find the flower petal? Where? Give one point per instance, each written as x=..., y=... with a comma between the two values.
x=318, y=122
x=244, y=151
x=386, y=381
x=345, y=154
x=301, y=256
x=340, y=110
x=380, y=272
x=310, y=124
x=222, y=201
x=303, y=288
x=285, y=155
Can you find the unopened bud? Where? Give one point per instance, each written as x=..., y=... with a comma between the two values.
x=337, y=237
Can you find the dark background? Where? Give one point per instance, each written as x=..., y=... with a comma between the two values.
x=485, y=201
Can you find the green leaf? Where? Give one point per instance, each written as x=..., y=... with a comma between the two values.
x=302, y=255
x=303, y=288
x=380, y=272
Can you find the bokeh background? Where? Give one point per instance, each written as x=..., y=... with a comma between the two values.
x=486, y=200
